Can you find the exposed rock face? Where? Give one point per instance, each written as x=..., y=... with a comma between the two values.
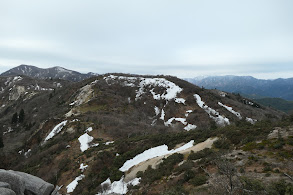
x=15, y=181
x=5, y=185
x=6, y=191
x=19, y=183
x=279, y=132
x=16, y=92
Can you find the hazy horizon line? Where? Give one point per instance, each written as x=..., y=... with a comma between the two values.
x=201, y=76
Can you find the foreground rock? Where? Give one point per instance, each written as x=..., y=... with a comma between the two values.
x=6, y=191
x=19, y=183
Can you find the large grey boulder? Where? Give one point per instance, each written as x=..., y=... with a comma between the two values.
x=36, y=185
x=6, y=191
x=19, y=183
x=16, y=181
x=5, y=185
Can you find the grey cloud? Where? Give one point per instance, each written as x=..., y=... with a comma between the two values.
x=151, y=37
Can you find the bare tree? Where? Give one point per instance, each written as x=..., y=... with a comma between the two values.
x=227, y=169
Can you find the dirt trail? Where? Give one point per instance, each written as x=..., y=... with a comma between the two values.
x=131, y=174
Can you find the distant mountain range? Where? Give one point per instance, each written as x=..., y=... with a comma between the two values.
x=278, y=88
x=266, y=92
x=48, y=73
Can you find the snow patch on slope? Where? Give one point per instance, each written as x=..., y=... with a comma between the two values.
x=187, y=127
x=157, y=110
x=162, y=115
x=148, y=85
x=118, y=187
x=84, y=141
x=220, y=120
x=109, y=142
x=230, y=109
x=152, y=153
x=171, y=88
x=56, y=130
x=169, y=121
x=71, y=187
x=250, y=120
x=190, y=127
x=180, y=100
x=83, y=167
x=89, y=129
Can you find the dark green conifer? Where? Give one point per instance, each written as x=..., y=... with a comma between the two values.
x=14, y=119
x=21, y=116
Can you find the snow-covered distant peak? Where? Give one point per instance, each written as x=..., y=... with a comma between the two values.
x=63, y=70
x=47, y=73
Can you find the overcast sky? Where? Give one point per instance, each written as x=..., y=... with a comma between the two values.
x=185, y=38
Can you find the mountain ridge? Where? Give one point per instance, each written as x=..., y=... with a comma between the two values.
x=79, y=135
x=56, y=72
x=277, y=88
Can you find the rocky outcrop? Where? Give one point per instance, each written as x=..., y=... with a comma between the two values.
x=19, y=183
x=279, y=132
x=6, y=191
x=5, y=185
x=16, y=92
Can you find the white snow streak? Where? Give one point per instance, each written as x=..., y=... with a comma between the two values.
x=56, y=130
x=89, y=129
x=26, y=154
x=250, y=120
x=190, y=127
x=109, y=142
x=169, y=122
x=187, y=113
x=152, y=153
x=82, y=167
x=157, y=110
x=230, y=109
x=162, y=115
x=180, y=100
x=220, y=120
x=71, y=187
